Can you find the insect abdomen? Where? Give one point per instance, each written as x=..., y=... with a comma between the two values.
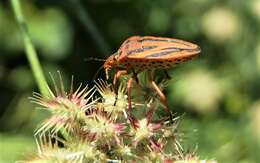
x=140, y=64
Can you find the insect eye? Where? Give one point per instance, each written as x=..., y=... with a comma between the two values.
x=115, y=58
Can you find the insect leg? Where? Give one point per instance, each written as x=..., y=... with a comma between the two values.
x=135, y=77
x=162, y=97
x=116, y=76
x=167, y=75
x=129, y=89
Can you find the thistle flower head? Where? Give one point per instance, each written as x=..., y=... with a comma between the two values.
x=143, y=129
x=86, y=148
x=84, y=129
x=154, y=156
x=102, y=126
x=49, y=151
x=124, y=150
x=115, y=103
x=79, y=151
x=66, y=107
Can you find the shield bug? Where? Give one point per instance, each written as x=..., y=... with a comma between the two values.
x=139, y=53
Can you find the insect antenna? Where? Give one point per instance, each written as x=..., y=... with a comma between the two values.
x=99, y=69
x=94, y=59
x=96, y=74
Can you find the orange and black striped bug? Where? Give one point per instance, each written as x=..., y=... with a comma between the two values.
x=139, y=53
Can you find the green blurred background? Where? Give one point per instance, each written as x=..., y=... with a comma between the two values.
x=219, y=92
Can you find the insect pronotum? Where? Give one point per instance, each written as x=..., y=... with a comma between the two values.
x=139, y=53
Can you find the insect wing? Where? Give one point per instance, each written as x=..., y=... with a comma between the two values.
x=161, y=48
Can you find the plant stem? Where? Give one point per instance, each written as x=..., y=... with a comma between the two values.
x=30, y=50
x=90, y=26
